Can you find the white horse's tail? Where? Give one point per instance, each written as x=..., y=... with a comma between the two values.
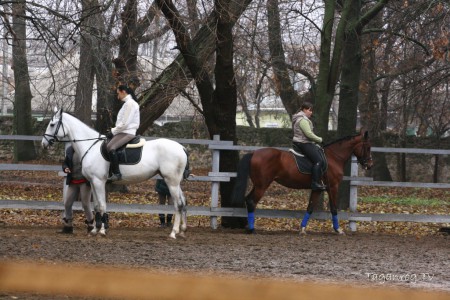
x=187, y=170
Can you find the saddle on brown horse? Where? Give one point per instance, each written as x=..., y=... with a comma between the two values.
x=304, y=165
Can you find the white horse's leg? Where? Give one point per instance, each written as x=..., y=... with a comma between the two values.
x=101, y=217
x=183, y=213
x=94, y=230
x=176, y=222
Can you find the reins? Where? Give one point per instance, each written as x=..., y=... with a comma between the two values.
x=98, y=139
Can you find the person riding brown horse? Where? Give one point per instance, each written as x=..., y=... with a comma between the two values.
x=266, y=165
x=307, y=143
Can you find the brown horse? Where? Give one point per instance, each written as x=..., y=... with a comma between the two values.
x=266, y=165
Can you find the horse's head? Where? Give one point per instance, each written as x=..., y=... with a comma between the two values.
x=362, y=151
x=55, y=130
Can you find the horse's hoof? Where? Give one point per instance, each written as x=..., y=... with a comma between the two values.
x=173, y=235
x=182, y=234
x=303, y=231
x=339, y=231
x=250, y=231
x=102, y=231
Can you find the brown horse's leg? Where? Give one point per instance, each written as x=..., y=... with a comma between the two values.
x=251, y=206
x=332, y=195
x=313, y=197
x=252, y=200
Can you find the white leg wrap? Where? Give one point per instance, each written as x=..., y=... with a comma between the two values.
x=102, y=230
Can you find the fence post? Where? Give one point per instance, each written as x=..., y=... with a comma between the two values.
x=215, y=184
x=353, y=191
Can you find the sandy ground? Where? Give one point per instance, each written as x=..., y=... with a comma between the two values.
x=359, y=259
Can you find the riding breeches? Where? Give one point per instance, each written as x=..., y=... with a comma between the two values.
x=72, y=192
x=311, y=151
x=118, y=141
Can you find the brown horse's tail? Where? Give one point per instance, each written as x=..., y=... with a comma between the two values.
x=240, y=185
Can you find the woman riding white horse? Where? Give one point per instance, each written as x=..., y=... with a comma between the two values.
x=161, y=156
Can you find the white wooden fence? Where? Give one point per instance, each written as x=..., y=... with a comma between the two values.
x=215, y=177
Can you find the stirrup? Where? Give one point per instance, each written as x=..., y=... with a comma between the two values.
x=115, y=177
x=316, y=186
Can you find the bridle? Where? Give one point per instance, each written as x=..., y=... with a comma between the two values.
x=51, y=139
x=366, y=157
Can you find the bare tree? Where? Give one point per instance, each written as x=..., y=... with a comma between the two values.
x=219, y=103
x=23, y=123
x=86, y=70
x=176, y=77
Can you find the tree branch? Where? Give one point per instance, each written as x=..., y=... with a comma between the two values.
x=376, y=30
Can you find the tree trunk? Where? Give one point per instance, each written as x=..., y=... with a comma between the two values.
x=349, y=88
x=86, y=71
x=126, y=61
x=225, y=99
x=176, y=76
x=106, y=93
x=283, y=84
x=323, y=96
x=351, y=25
x=23, y=121
x=373, y=111
x=219, y=105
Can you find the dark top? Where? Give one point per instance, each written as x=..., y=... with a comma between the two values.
x=73, y=162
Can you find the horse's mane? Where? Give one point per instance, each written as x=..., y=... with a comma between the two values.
x=345, y=138
x=80, y=121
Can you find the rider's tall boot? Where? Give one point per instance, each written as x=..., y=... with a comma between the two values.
x=316, y=176
x=114, y=159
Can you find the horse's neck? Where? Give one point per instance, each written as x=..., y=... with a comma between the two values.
x=343, y=150
x=83, y=135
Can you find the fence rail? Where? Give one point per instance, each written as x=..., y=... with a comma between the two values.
x=215, y=177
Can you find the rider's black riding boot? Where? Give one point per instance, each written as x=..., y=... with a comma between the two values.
x=114, y=166
x=316, y=176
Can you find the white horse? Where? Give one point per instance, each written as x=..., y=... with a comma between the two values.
x=161, y=156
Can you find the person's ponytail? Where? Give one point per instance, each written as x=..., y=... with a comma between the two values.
x=128, y=90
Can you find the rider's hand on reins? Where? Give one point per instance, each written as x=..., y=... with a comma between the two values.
x=109, y=134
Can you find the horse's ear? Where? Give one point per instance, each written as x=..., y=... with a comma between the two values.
x=364, y=133
x=58, y=111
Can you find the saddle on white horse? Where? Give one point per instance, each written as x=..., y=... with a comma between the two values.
x=129, y=154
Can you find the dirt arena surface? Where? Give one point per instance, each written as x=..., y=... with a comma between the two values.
x=358, y=259
x=415, y=257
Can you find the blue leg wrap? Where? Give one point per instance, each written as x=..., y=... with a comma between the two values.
x=251, y=220
x=335, y=222
x=305, y=219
